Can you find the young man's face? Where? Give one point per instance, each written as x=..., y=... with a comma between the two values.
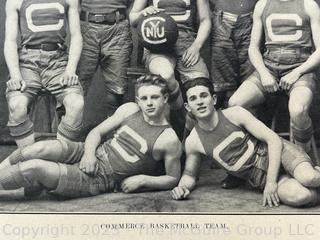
x=200, y=101
x=151, y=100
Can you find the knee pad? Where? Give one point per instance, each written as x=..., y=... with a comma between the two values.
x=69, y=132
x=21, y=130
x=174, y=94
x=302, y=135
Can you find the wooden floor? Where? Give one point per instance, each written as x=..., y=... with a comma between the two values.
x=208, y=197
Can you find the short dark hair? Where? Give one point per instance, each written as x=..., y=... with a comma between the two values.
x=201, y=81
x=152, y=79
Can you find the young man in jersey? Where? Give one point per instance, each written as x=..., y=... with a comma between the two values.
x=106, y=43
x=291, y=30
x=41, y=61
x=246, y=148
x=186, y=57
x=230, y=38
x=132, y=159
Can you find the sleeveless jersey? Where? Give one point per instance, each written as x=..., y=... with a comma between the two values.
x=130, y=149
x=182, y=11
x=286, y=24
x=43, y=21
x=103, y=6
x=232, y=147
x=234, y=6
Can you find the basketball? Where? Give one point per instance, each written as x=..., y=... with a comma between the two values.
x=158, y=32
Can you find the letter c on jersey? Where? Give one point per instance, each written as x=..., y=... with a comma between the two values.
x=242, y=160
x=47, y=27
x=284, y=37
x=141, y=144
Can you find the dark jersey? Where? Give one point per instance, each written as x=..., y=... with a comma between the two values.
x=286, y=24
x=234, y=6
x=182, y=11
x=130, y=149
x=42, y=21
x=232, y=147
x=104, y=6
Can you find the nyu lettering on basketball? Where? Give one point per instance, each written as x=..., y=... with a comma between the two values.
x=153, y=30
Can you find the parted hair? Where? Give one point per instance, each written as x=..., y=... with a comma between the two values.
x=201, y=81
x=152, y=79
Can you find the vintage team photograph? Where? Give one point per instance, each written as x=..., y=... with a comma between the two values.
x=160, y=106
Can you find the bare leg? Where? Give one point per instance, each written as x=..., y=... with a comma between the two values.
x=48, y=150
x=31, y=173
x=70, y=126
x=301, y=123
x=20, y=126
x=292, y=193
x=163, y=67
x=307, y=175
x=247, y=95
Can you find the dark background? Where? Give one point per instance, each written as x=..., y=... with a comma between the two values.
x=96, y=108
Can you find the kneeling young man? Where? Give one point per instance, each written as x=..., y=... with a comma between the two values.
x=132, y=159
x=246, y=148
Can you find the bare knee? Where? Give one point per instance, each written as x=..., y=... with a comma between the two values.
x=162, y=67
x=18, y=109
x=74, y=104
x=33, y=170
x=308, y=178
x=297, y=110
x=293, y=194
x=40, y=149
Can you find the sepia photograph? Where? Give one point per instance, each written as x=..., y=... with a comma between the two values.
x=159, y=118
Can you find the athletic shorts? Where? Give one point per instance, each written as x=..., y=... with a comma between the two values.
x=73, y=182
x=185, y=40
x=43, y=70
x=282, y=61
x=107, y=46
x=292, y=155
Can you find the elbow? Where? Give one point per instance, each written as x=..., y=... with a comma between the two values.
x=133, y=20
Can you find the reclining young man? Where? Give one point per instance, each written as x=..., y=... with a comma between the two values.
x=132, y=159
x=246, y=148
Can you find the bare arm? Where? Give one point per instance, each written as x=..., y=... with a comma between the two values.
x=10, y=46
x=70, y=77
x=88, y=161
x=242, y=117
x=188, y=180
x=169, y=144
x=255, y=55
x=191, y=56
x=313, y=11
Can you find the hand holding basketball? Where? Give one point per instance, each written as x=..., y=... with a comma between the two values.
x=151, y=10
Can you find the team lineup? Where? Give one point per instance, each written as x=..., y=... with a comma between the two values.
x=184, y=109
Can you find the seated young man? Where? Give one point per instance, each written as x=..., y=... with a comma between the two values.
x=185, y=57
x=246, y=148
x=290, y=31
x=41, y=61
x=143, y=154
